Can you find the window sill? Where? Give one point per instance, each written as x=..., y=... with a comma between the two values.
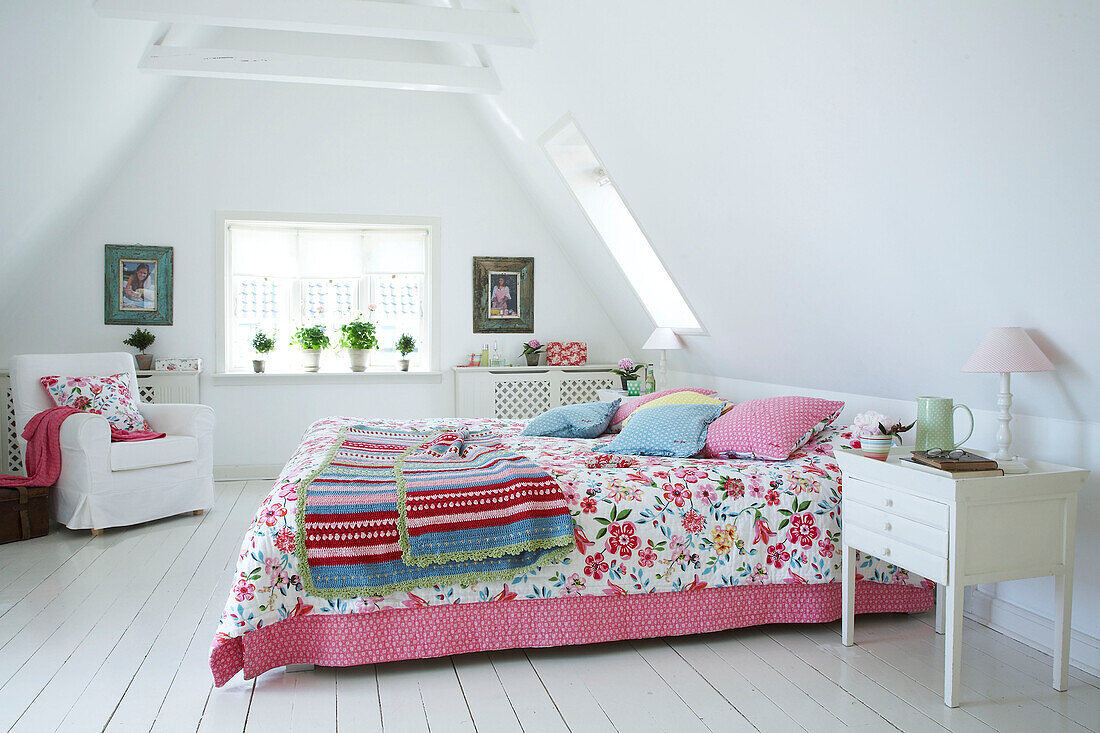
x=252, y=379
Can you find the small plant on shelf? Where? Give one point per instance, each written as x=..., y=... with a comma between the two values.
x=627, y=370
x=875, y=438
x=263, y=344
x=358, y=337
x=141, y=339
x=531, y=350
x=405, y=345
x=311, y=339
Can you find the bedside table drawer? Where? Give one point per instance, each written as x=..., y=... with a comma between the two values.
x=897, y=502
x=913, y=559
x=894, y=526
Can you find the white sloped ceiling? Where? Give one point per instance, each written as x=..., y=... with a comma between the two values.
x=73, y=105
x=849, y=194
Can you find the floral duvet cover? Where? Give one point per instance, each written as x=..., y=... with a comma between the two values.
x=642, y=525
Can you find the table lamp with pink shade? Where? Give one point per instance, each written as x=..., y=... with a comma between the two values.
x=1005, y=350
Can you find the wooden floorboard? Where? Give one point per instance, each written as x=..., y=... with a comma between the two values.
x=113, y=632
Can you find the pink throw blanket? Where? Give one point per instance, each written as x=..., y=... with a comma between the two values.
x=43, y=436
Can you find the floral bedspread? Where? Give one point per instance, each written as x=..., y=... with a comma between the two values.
x=642, y=525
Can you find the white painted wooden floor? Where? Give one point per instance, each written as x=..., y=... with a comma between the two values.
x=112, y=634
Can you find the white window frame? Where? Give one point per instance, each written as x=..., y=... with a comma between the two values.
x=546, y=141
x=224, y=303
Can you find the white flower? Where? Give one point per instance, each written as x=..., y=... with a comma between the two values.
x=866, y=423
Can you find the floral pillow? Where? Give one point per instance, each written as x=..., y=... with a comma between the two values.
x=771, y=429
x=107, y=396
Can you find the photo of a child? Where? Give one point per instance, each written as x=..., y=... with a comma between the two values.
x=504, y=295
x=138, y=291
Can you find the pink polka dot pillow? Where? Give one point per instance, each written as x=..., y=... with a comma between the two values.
x=630, y=404
x=771, y=429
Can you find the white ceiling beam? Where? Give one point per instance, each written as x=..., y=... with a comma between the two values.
x=342, y=17
x=265, y=66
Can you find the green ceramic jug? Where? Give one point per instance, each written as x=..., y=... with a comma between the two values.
x=936, y=423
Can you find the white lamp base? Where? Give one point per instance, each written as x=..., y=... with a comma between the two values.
x=1013, y=465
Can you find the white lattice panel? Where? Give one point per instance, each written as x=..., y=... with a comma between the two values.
x=13, y=462
x=578, y=390
x=147, y=393
x=521, y=399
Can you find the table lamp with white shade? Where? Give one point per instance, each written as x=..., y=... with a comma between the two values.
x=663, y=339
x=1005, y=350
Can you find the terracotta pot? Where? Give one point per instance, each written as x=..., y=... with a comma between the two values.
x=311, y=360
x=144, y=361
x=258, y=365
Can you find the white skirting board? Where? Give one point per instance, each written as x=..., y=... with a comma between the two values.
x=246, y=472
x=1030, y=628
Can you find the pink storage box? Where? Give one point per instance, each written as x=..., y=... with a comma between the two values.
x=566, y=353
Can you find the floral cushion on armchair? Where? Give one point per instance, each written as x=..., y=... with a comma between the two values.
x=107, y=396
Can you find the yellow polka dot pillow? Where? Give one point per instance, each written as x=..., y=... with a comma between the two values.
x=630, y=404
x=680, y=398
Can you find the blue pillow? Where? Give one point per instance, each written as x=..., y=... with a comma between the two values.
x=573, y=421
x=676, y=431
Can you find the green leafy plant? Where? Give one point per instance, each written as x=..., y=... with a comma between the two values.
x=405, y=344
x=262, y=343
x=311, y=337
x=358, y=334
x=140, y=339
x=895, y=430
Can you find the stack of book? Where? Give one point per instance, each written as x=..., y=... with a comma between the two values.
x=968, y=465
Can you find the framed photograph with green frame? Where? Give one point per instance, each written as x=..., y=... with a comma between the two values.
x=137, y=285
x=504, y=295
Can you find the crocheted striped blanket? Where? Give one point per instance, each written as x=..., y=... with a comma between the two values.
x=391, y=510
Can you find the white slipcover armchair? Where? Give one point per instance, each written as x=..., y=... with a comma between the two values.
x=105, y=484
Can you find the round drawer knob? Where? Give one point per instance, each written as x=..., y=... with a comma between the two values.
x=885, y=551
x=886, y=526
x=888, y=502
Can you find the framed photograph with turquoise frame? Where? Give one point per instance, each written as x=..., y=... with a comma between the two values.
x=137, y=285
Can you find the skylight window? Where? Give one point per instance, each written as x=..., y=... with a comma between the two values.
x=581, y=169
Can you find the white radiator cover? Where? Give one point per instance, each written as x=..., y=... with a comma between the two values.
x=519, y=393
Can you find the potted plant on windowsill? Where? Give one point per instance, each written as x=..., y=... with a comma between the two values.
x=531, y=350
x=358, y=338
x=311, y=339
x=627, y=370
x=264, y=345
x=405, y=345
x=141, y=339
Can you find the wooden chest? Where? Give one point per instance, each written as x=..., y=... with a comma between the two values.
x=24, y=513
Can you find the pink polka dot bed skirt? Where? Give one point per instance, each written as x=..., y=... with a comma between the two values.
x=436, y=631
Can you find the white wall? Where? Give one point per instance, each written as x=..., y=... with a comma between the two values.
x=271, y=147
x=1022, y=608
x=71, y=98
x=848, y=193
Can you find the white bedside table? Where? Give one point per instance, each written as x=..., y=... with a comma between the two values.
x=959, y=532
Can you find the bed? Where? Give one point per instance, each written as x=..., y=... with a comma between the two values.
x=661, y=547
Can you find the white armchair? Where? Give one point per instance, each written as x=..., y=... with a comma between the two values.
x=105, y=484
